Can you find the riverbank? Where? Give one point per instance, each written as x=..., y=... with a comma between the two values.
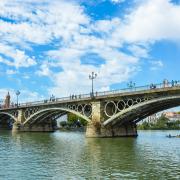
x=161, y=123
x=146, y=126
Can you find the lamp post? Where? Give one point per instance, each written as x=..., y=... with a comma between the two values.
x=131, y=85
x=17, y=94
x=92, y=76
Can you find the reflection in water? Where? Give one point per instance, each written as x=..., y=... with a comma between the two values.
x=112, y=157
x=64, y=155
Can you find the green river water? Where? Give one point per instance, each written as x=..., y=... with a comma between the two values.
x=69, y=155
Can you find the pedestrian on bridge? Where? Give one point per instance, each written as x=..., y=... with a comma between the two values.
x=165, y=83
x=175, y=83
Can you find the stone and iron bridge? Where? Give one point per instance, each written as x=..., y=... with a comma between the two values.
x=109, y=114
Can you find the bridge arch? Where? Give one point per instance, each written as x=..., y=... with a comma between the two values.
x=54, y=111
x=142, y=110
x=9, y=115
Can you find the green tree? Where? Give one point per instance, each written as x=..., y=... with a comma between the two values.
x=72, y=119
x=144, y=126
x=63, y=123
x=161, y=123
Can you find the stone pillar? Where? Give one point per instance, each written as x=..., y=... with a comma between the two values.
x=126, y=130
x=18, y=125
x=20, y=117
x=46, y=127
x=95, y=128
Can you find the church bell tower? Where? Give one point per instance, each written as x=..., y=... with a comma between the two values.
x=7, y=101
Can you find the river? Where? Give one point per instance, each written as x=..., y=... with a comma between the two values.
x=69, y=155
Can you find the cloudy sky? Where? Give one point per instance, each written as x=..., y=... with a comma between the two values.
x=50, y=47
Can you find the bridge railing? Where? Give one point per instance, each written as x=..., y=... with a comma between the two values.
x=139, y=88
x=99, y=94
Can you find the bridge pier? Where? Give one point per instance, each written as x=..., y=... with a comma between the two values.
x=95, y=128
x=128, y=130
x=48, y=127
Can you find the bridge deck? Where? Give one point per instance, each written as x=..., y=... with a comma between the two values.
x=102, y=95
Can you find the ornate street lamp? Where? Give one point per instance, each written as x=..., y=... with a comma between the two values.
x=131, y=85
x=17, y=94
x=92, y=76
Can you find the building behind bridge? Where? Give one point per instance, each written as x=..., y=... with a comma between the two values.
x=6, y=102
x=172, y=116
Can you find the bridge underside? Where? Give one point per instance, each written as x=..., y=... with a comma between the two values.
x=6, y=122
x=42, y=122
x=137, y=114
x=124, y=123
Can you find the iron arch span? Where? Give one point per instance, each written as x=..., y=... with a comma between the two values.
x=52, y=112
x=8, y=115
x=142, y=110
x=6, y=121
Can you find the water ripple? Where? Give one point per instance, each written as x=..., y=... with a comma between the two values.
x=62, y=155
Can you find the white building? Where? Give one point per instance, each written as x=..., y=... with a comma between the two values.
x=172, y=116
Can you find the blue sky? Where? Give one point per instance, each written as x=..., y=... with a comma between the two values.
x=50, y=47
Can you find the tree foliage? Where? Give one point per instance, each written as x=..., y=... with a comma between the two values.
x=63, y=123
x=163, y=123
x=72, y=119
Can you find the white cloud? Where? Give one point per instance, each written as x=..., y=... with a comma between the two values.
x=76, y=34
x=10, y=72
x=25, y=95
x=153, y=20
x=36, y=26
x=155, y=65
x=119, y=66
x=26, y=76
x=117, y=1
x=44, y=70
x=15, y=57
x=30, y=96
x=76, y=75
x=139, y=51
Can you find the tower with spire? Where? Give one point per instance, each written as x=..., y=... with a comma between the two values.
x=7, y=101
